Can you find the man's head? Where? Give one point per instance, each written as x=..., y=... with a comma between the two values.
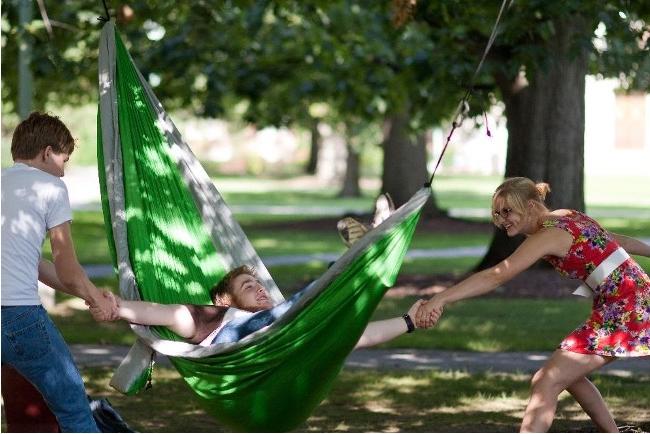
x=45, y=138
x=240, y=288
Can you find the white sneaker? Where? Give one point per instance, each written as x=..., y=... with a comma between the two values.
x=384, y=207
x=351, y=230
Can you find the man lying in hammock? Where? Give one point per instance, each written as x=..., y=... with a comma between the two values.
x=242, y=305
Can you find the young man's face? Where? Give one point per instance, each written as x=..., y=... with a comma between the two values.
x=249, y=294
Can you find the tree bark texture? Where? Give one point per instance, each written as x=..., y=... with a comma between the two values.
x=351, y=186
x=546, y=119
x=314, y=148
x=404, y=168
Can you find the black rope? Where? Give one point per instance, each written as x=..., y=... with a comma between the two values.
x=463, y=106
x=107, y=18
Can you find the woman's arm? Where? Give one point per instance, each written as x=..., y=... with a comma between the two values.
x=378, y=332
x=632, y=245
x=550, y=241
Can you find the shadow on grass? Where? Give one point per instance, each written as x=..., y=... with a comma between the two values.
x=362, y=401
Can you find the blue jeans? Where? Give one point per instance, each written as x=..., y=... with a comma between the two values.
x=33, y=346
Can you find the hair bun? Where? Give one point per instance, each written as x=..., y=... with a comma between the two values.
x=542, y=189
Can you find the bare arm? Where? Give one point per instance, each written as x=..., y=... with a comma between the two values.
x=176, y=317
x=47, y=275
x=632, y=245
x=378, y=332
x=68, y=275
x=550, y=241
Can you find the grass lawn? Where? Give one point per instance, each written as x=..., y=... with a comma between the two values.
x=601, y=192
x=451, y=191
x=387, y=401
x=492, y=324
x=92, y=248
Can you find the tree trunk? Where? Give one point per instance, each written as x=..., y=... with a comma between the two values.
x=25, y=77
x=546, y=119
x=351, y=186
x=405, y=163
x=315, y=142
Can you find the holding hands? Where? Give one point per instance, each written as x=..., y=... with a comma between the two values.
x=105, y=308
x=428, y=312
x=419, y=310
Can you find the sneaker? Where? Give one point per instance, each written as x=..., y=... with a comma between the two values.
x=384, y=207
x=351, y=230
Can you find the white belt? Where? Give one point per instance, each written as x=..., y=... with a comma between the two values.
x=611, y=263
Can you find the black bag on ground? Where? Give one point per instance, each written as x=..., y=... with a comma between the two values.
x=106, y=417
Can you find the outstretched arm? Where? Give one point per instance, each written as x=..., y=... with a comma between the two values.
x=177, y=317
x=378, y=332
x=632, y=245
x=550, y=241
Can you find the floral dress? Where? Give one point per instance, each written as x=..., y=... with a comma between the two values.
x=619, y=324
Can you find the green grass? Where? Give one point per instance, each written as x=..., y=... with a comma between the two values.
x=451, y=191
x=293, y=277
x=629, y=192
x=289, y=241
x=92, y=247
x=453, y=266
x=492, y=324
x=629, y=227
x=387, y=401
x=601, y=192
x=78, y=327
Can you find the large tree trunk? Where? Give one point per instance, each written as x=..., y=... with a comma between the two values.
x=546, y=119
x=351, y=186
x=25, y=46
x=405, y=163
x=315, y=142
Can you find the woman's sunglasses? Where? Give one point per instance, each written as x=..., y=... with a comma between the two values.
x=504, y=213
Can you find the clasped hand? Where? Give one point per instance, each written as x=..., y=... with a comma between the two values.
x=429, y=313
x=106, y=308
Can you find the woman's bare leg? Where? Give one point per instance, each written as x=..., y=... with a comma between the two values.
x=562, y=370
x=593, y=404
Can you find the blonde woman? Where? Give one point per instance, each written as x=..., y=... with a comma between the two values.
x=578, y=247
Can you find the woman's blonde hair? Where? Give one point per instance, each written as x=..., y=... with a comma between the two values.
x=517, y=191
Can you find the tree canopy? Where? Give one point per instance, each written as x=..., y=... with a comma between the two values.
x=356, y=63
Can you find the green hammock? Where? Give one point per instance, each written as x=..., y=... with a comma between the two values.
x=172, y=237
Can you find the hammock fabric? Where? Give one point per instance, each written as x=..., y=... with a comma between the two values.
x=172, y=237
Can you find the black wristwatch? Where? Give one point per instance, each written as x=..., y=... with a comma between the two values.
x=409, y=323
